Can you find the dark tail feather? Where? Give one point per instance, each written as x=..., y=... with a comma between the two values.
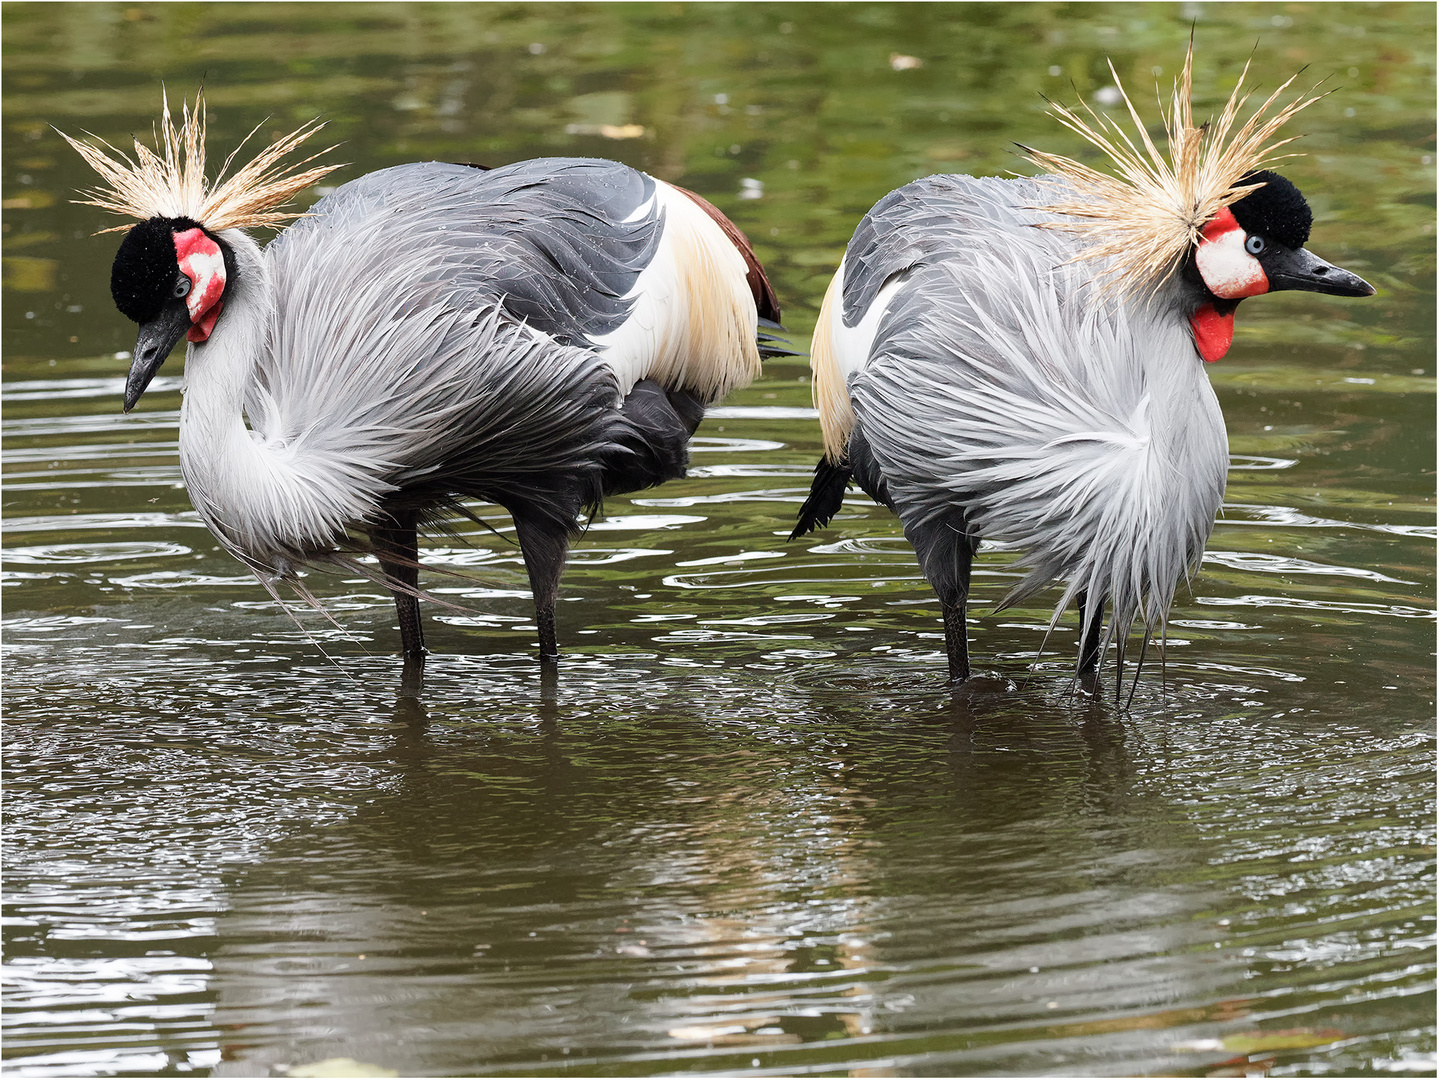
x=826, y=496
x=770, y=344
x=653, y=429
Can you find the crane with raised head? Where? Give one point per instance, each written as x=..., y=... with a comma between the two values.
x=539, y=336
x=1023, y=360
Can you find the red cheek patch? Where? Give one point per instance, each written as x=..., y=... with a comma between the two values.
x=1213, y=332
x=201, y=261
x=200, y=331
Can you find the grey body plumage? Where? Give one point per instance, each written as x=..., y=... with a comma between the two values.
x=553, y=240
x=539, y=336
x=436, y=323
x=996, y=390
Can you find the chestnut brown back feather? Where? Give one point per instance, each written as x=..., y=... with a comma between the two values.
x=765, y=301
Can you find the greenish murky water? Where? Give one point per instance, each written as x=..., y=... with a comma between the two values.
x=747, y=830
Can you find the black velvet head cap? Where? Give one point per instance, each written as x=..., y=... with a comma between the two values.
x=1277, y=211
x=142, y=278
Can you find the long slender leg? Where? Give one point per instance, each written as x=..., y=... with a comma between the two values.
x=397, y=548
x=956, y=642
x=946, y=554
x=1089, y=642
x=545, y=544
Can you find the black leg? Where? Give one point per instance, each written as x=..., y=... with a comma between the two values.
x=956, y=642
x=1089, y=636
x=549, y=639
x=946, y=553
x=549, y=689
x=412, y=678
x=545, y=544
x=397, y=548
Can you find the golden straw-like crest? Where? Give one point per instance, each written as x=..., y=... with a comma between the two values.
x=174, y=185
x=1147, y=216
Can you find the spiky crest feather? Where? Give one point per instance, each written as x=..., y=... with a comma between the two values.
x=172, y=183
x=1145, y=218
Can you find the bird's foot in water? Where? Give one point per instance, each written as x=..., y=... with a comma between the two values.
x=976, y=686
x=412, y=676
x=1087, y=682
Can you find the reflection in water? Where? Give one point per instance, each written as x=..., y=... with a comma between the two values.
x=699, y=866
x=747, y=825
x=715, y=891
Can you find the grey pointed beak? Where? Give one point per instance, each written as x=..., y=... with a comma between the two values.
x=1304, y=271
x=157, y=338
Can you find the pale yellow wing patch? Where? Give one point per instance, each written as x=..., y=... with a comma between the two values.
x=718, y=352
x=694, y=320
x=831, y=394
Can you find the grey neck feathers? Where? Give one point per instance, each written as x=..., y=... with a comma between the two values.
x=264, y=500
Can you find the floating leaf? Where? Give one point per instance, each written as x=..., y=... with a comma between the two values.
x=1259, y=1042
x=340, y=1067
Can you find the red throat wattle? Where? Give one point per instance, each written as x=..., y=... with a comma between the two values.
x=201, y=261
x=1213, y=332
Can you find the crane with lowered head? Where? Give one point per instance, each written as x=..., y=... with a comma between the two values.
x=540, y=336
x=1023, y=359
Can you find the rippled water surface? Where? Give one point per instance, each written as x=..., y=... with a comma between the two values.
x=747, y=829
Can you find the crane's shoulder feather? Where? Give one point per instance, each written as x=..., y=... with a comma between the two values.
x=942, y=218
x=592, y=253
x=558, y=242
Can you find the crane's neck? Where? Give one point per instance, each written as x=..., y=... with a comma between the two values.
x=262, y=497
x=218, y=371
x=219, y=458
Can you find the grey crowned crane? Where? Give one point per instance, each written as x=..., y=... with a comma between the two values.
x=538, y=336
x=1024, y=360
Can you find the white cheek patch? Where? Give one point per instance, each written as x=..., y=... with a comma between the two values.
x=1230, y=271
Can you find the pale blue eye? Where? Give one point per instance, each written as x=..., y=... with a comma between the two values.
x=1255, y=245
x=182, y=287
